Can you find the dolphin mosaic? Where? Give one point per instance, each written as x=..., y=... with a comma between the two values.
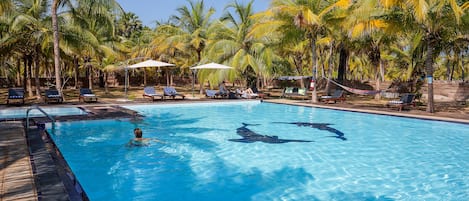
x=250, y=136
x=320, y=126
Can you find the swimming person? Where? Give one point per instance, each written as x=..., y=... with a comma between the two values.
x=139, y=140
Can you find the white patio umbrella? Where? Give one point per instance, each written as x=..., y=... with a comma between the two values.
x=143, y=64
x=206, y=66
x=211, y=66
x=150, y=63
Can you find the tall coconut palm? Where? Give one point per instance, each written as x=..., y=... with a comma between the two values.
x=434, y=18
x=128, y=24
x=95, y=20
x=310, y=16
x=233, y=43
x=184, y=38
x=278, y=31
x=368, y=25
x=29, y=34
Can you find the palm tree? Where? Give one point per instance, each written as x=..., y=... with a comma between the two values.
x=95, y=22
x=310, y=16
x=434, y=18
x=369, y=27
x=184, y=38
x=128, y=24
x=232, y=41
x=29, y=35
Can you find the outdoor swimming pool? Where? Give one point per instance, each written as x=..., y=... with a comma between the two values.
x=20, y=113
x=220, y=151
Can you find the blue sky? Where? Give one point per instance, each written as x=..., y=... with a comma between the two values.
x=150, y=11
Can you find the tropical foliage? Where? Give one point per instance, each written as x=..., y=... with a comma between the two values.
x=368, y=40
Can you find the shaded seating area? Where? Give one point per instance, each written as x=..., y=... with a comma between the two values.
x=294, y=92
x=406, y=100
x=171, y=92
x=338, y=95
x=150, y=92
x=86, y=95
x=15, y=95
x=52, y=95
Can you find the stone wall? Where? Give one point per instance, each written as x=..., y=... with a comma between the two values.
x=444, y=91
x=448, y=91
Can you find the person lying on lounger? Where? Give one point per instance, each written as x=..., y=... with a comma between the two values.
x=248, y=93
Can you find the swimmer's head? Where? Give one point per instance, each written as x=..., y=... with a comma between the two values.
x=138, y=133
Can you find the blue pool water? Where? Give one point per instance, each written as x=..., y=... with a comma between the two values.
x=351, y=156
x=19, y=113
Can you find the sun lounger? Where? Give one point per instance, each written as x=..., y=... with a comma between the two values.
x=16, y=94
x=295, y=92
x=406, y=100
x=53, y=95
x=211, y=93
x=337, y=96
x=151, y=93
x=171, y=92
x=86, y=95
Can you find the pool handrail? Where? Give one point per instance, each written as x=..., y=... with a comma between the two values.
x=43, y=112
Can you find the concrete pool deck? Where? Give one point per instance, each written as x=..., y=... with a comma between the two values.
x=18, y=182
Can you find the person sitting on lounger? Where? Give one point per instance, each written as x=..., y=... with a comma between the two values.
x=222, y=91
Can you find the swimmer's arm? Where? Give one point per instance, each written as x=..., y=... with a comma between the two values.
x=156, y=140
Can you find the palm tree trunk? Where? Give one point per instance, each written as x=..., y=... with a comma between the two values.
x=106, y=76
x=90, y=76
x=429, y=72
x=29, y=76
x=25, y=72
x=379, y=78
x=144, y=77
x=448, y=68
x=343, y=56
x=55, y=27
x=36, y=76
x=76, y=65
x=452, y=72
x=314, y=94
x=462, y=67
x=18, y=72
x=329, y=70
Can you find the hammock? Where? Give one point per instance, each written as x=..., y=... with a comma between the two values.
x=357, y=91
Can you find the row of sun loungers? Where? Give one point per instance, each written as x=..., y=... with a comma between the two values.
x=150, y=92
x=237, y=94
x=16, y=95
